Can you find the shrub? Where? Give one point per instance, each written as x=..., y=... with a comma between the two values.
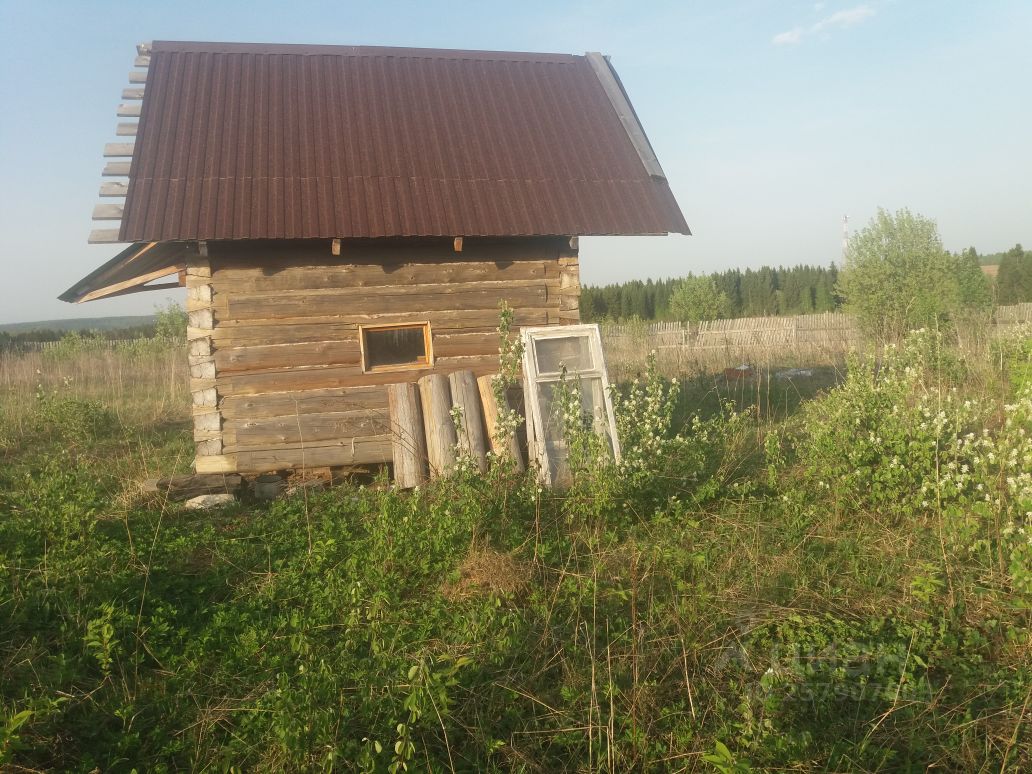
x=897, y=277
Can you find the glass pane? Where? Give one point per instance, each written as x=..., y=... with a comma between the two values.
x=394, y=346
x=574, y=352
x=593, y=415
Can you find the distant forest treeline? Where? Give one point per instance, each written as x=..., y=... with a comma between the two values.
x=778, y=291
x=751, y=292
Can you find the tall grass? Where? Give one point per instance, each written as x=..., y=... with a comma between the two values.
x=844, y=584
x=141, y=383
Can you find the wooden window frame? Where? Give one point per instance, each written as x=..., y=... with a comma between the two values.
x=427, y=345
x=532, y=377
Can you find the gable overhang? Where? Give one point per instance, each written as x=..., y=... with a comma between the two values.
x=131, y=270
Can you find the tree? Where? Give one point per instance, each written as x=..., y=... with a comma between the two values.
x=898, y=277
x=1014, y=278
x=976, y=291
x=170, y=321
x=698, y=298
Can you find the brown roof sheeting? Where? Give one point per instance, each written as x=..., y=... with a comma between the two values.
x=289, y=142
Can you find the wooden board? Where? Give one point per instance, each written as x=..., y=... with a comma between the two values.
x=103, y=236
x=317, y=401
x=230, y=333
x=119, y=149
x=362, y=451
x=428, y=298
x=107, y=212
x=254, y=279
x=283, y=254
x=277, y=356
x=304, y=428
x=314, y=378
x=116, y=168
x=114, y=189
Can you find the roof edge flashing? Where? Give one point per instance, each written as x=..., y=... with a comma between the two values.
x=614, y=90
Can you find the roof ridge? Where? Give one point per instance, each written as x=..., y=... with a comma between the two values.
x=306, y=49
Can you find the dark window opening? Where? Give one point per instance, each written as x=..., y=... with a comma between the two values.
x=396, y=346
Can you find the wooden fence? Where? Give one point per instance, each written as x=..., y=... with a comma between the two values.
x=811, y=339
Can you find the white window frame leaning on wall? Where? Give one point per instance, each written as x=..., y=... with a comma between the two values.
x=550, y=465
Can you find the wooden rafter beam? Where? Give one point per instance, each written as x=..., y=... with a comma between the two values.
x=116, y=169
x=114, y=189
x=107, y=212
x=114, y=149
x=143, y=279
x=126, y=130
x=103, y=236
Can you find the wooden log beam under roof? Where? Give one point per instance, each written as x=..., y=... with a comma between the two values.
x=135, y=266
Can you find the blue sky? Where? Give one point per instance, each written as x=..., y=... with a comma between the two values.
x=771, y=119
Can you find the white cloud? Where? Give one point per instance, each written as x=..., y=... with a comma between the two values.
x=818, y=7
x=844, y=18
x=789, y=38
x=839, y=19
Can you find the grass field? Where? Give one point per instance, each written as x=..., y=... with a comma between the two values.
x=828, y=573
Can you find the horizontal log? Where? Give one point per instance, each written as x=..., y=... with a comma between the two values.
x=103, y=236
x=258, y=279
x=315, y=378
x=129, y=111
x=466, y=344
x=259, y=358
x=137, y=76
x=311, y=329
x=426, y=298
x=107, y=212
x=264, y=358
x=116, y=169
x=187, y=486
x=114, y=189
x=141, y=61
x=144, y=48
x=126, y=130
x=364, y=451
x=215, y=463
x=278, y=256
x=308, y=428
x=118, y=149
x=303, y=402
x=133, y=92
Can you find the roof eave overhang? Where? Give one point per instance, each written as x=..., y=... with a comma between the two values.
x=131, y=270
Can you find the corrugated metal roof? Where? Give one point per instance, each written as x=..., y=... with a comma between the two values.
x=282, y=141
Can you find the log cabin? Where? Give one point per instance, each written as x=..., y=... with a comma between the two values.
x=345, y=218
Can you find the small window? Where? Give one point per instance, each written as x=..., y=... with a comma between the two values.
x=396, y=347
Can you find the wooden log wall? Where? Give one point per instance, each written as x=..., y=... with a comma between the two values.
x=275, y=357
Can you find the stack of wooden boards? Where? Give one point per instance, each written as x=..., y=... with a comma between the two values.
x=441, y=417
